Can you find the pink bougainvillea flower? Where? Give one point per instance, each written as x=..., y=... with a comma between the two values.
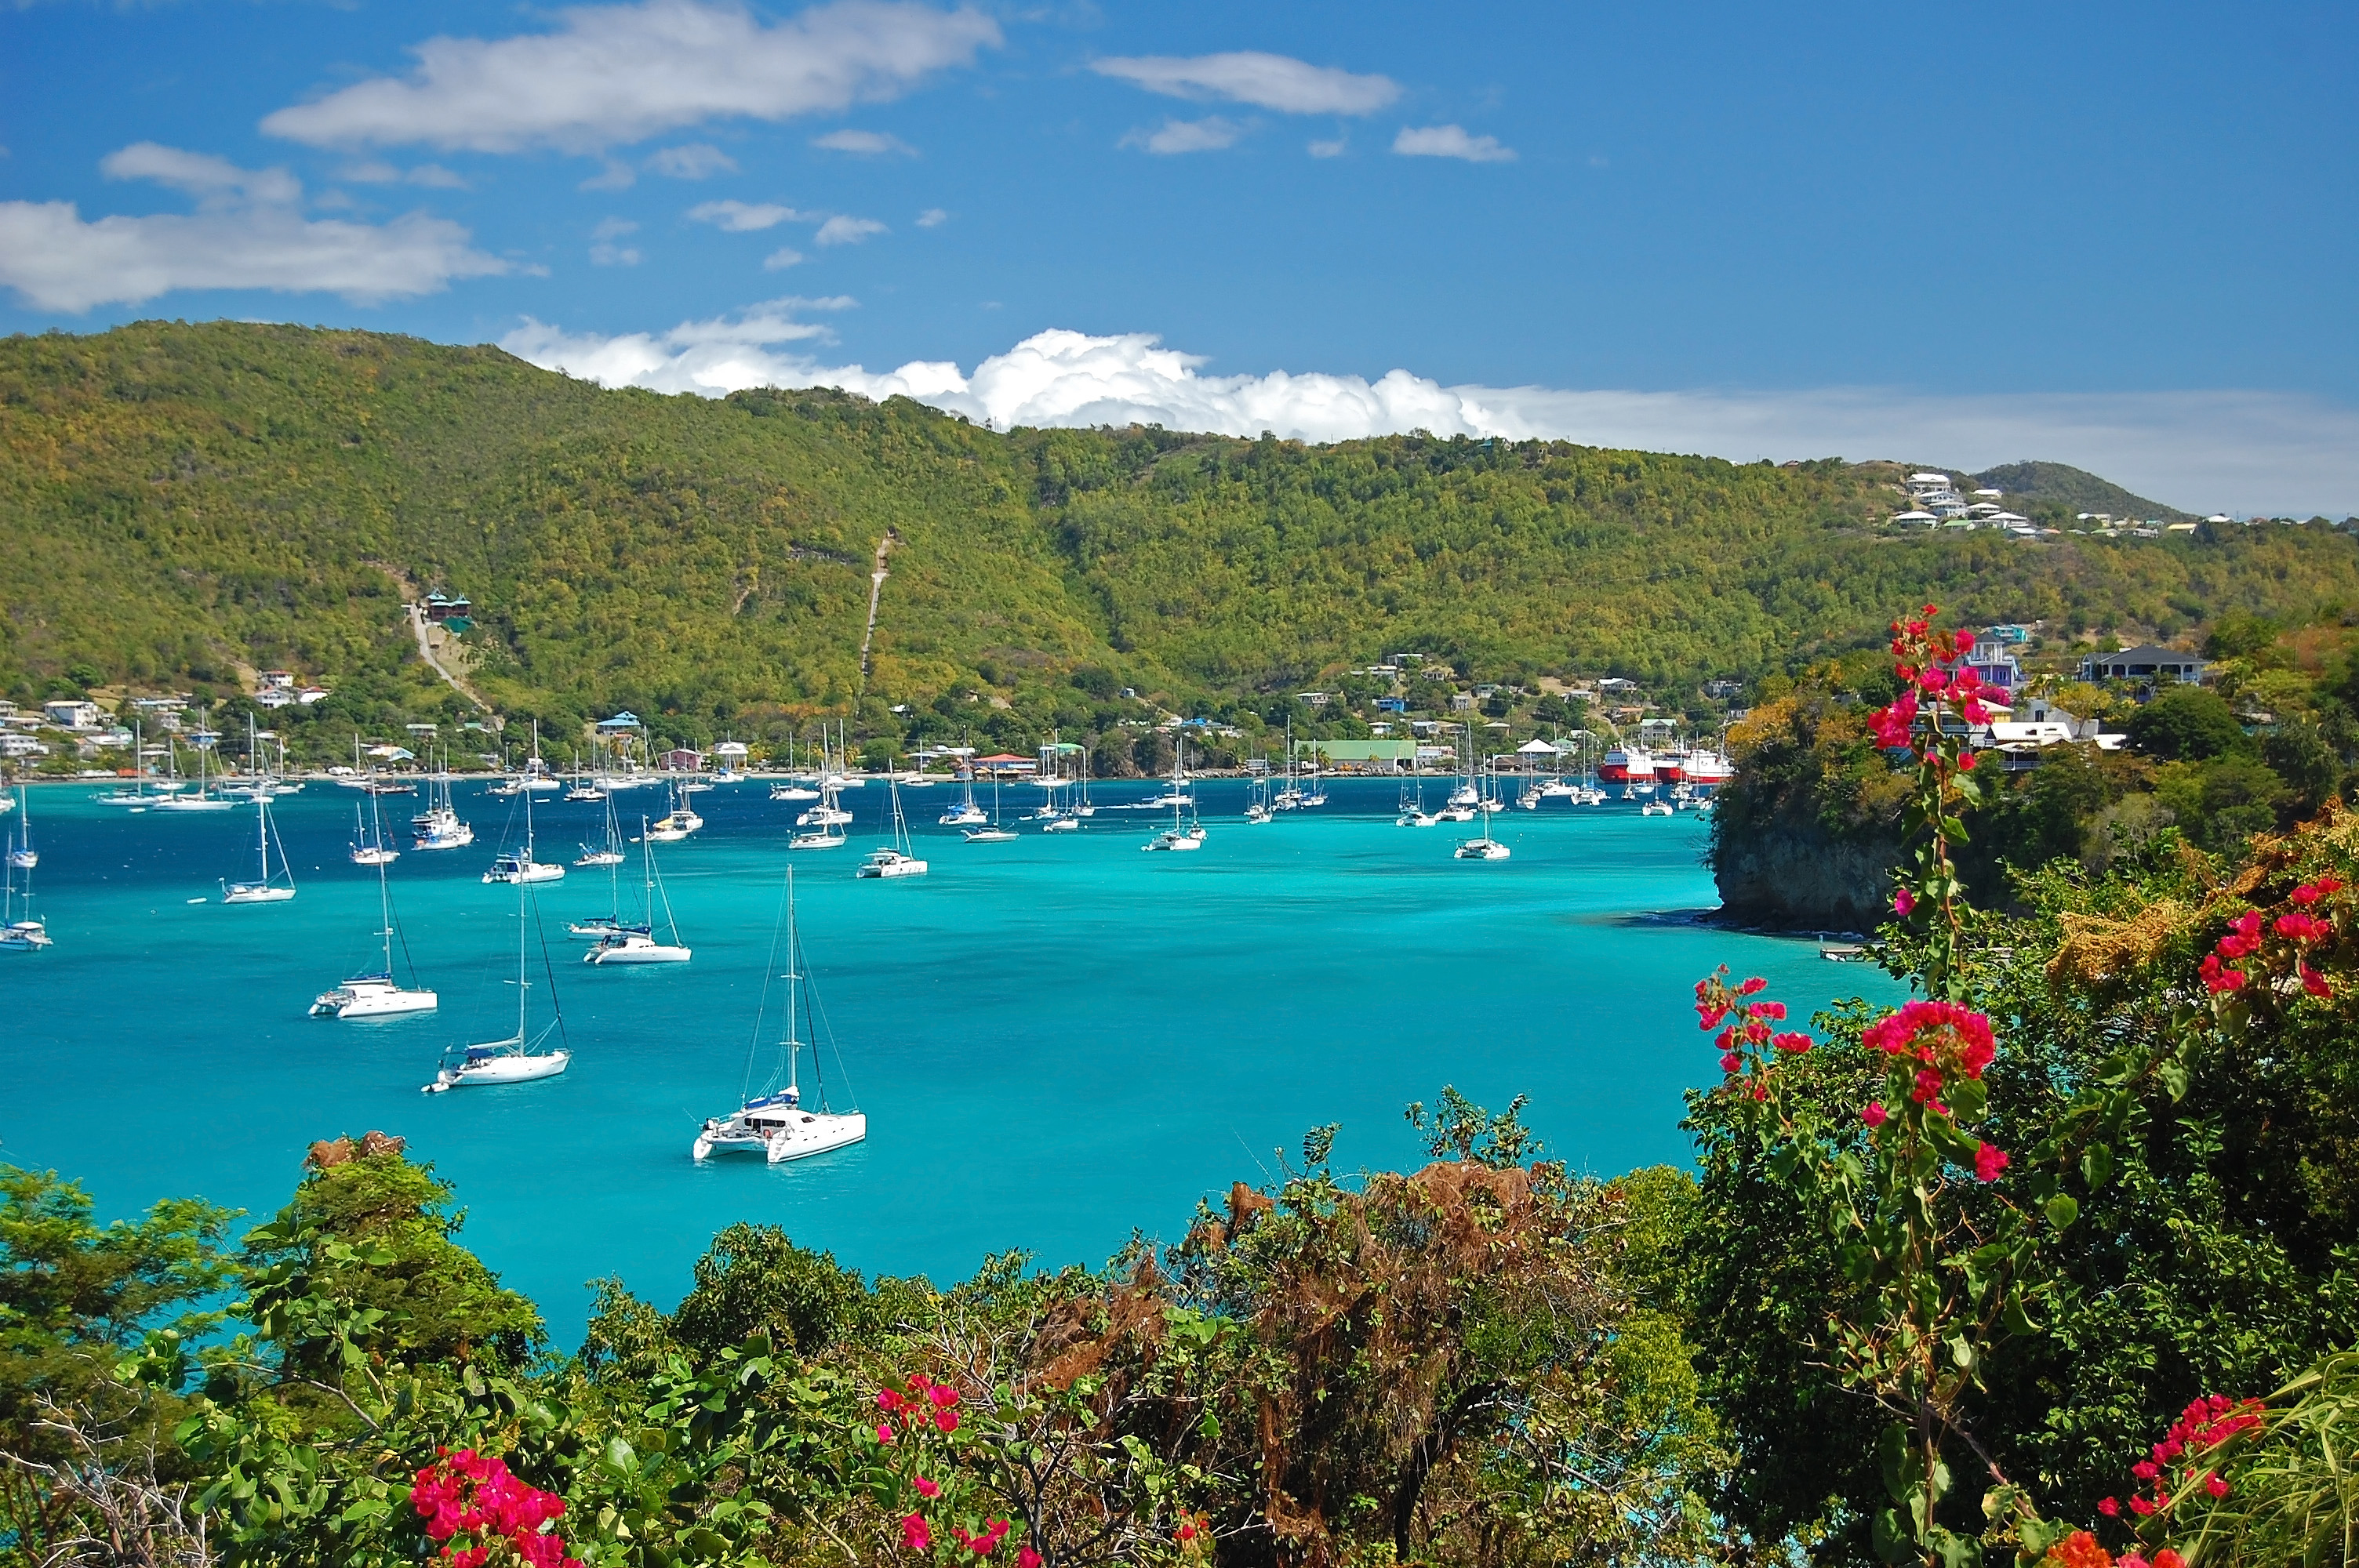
x=1989, y=1161
x=1775, y=1010
x=1904, y=904
x=927, y=1489
x=1875, y=1115
x=2110, y=1506
x=1732, y=1063
x=943, y=1395
x=884, y=1432
x=2315, y=983
x=2218, y=978
x=2213, y=1485
x=1793, y=1043
x=914, y=1536
x=1753, y=985
x=2167, y=1558
x=1027, y=1558
x=946, y=1421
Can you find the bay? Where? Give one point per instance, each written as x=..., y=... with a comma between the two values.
x=1058, y=1040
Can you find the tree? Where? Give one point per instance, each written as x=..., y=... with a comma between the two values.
x=2187, y=724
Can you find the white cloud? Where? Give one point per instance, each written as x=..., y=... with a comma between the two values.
x=742, y=217
x=780, y=259
x=248, y=231
x=864, y=142
x=2248, y=451
x=1266, y=81
x=1450, y=141
x=1329, y=149
x=1206, y=136
x=932, y=218
x=376, y=172
x=604, y=252
x=694, y=161
x=841, y=230
x=611, y=75
x=722, y=355
x=616, y=176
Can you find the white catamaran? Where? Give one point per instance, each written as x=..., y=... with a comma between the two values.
x=516, y=1059
x=638, y=945
x=510, y=866
x=774, y=1123
x=897, y=859
x=438, y=826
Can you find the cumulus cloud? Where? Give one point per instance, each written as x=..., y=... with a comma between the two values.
x=841, y=230
x=1450, y=141
x=2243, y=452
x=932, y=218
x=1205, y=135
x=725, y=354
x=780, y=259
x=615, y=176
x=867, y=143
x=742, y=217
x=248, y=231
x=611, y=75
x=1266, y=81
x=694, y=161
x=1329, y=149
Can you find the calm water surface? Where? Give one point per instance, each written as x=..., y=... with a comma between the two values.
x=1057, y=1041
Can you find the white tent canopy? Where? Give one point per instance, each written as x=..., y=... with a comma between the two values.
x=1537, y=748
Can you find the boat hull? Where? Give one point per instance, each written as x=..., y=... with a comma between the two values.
x=490, y=1071
x=234, y=894
x=810, y=1134
x=639, y=952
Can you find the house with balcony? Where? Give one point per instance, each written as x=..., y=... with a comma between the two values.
x=2147, y=664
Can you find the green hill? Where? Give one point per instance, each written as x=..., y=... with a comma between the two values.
x=185, y=502
x=2070, y=489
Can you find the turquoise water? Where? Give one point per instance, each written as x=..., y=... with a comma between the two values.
x=1056, y=1040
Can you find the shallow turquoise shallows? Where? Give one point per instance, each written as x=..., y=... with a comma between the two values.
x=1057, y=1041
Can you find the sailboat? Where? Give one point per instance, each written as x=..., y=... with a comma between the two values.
x=536, y=775
x=203, y=739
x=24, y=932
x=585, y=787
x=993, y=833
x=1183, y=835
x=966, y=813
x=369, y=848
x=376, y=995
x=136, y=797
x=513, y=1060
x=511, y=867
x=267, y=886
x=828, y=813
x=676, y=824
x=22, y=856
x=1485, y=848
x=774, y=1123
x=896, y=859
x=609, y=850
x=628, y=945
x=438, y=826
x=1257, y=803
x=1290, y=794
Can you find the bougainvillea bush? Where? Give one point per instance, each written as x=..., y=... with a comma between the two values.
x=1959, y=1262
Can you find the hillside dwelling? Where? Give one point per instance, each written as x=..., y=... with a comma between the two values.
x=275, y=680
x=1989, y=494
x=423, y=731
x=312, y=694
x=681, y=760
x=71, y=715
x=1436, y=672
x=1929, y=482
x=1993, y=660
x=1359, y=756
x=2178, y=528
x=445, y=607
x=1617, y=685
x=1392, y=705
x=16, y=748
x=1461, y=701
x=729, y=753
x=623, y=723
x=1006, y=766
x=274, y=696
x=1722, y=688
x=2145, y=663
x=1314, y=699
x=1485, y=692
x=1914, y=519
x=1986, y=509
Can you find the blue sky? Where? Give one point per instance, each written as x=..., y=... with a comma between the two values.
x=2114, y=235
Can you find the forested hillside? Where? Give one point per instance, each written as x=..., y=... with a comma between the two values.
x=182, y=500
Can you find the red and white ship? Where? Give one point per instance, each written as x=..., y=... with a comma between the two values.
x=1628, y=771
x=1704, y=770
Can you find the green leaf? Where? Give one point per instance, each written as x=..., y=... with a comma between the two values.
x=2063, y=1211
x=2096, y=1165
x=1968, y=1100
